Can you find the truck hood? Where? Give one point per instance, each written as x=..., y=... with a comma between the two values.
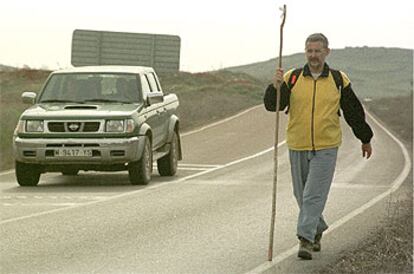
x=80, y=111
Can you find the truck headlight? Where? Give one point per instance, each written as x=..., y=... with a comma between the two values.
x=130, y=125
x=19, y=127
x=34, y=126
x=114, y=126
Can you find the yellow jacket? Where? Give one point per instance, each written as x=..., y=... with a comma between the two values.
x=314, y=105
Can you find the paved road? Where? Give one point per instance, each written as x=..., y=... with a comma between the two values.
x=213, y=217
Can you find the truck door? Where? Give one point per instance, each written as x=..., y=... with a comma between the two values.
x=154, y=114
x=162, y=109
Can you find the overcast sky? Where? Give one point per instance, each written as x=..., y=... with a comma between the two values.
x=214, y=33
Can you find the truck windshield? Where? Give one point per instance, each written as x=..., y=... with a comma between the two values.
x=92, y=87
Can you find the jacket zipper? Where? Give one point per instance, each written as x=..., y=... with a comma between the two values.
x=313, y=117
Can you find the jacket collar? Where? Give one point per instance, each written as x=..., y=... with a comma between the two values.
x=325, y=71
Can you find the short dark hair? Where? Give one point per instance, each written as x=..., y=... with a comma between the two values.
x=317, y=37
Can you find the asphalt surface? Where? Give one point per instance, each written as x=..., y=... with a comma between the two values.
x=213, y=217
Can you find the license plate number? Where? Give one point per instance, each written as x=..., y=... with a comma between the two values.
x=73, y=152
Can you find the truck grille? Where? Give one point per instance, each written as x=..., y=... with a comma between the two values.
x=56, y=127
x=73, y=126
x=91, y=127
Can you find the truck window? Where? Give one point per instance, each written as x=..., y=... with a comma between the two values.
x=85, y=87
x=153, y=82
x=54, y=88
x=145, y=84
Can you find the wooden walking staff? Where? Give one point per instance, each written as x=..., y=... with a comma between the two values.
x=272, y=223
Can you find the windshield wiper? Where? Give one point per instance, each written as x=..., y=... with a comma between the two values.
x=60, y=101
x=108, y=101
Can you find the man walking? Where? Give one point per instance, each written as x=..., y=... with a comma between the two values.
x=313, y=96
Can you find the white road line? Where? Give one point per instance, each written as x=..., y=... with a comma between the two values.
x=40, y=204
x=11, y=220
x=356, y=186
x=7, y=172
x=198, y=165
x=193, y=168
x=37, y=197
x=394, y=186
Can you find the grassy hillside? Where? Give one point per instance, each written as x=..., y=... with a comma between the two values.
x=374, y=72
x=3, y=67
x=204, y=97
x=210, y=96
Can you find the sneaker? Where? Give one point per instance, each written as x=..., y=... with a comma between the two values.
x=317, y=243
x=305, y=249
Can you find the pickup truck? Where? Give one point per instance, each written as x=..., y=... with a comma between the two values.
x=101, y=118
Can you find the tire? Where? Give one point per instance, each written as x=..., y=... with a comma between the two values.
x=70, y=172
x=167, y=165
x=27, y=174
x=140, y=171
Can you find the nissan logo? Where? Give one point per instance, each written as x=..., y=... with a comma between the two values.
x=73, y=127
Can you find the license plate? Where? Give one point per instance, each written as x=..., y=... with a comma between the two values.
x=73, y=152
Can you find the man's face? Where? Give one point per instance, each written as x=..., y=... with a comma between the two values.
x=316, y=54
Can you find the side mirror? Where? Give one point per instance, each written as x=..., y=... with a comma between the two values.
x=29, y=97
x=154, y=98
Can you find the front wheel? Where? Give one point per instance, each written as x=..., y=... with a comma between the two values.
x=27, y=174
x=167, y=165
x=140, y=171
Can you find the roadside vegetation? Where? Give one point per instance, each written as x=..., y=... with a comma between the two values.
x=210, y=96
x=12, y=84
x=389, y=249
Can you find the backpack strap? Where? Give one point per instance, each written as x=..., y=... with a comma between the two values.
x=339, y=81
x=293, y=77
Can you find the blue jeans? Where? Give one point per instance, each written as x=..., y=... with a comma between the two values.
x=312, y=174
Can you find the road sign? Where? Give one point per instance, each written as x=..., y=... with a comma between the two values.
x=90, y=48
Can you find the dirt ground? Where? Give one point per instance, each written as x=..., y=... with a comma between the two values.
x=389, y=249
